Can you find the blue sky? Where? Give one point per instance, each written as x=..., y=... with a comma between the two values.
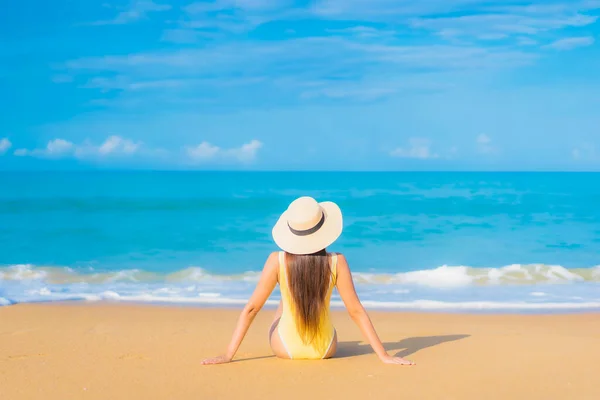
x=325, y=84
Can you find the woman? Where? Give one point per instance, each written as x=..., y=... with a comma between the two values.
x=306, y=274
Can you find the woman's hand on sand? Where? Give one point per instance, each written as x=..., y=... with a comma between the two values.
x=216, y=360
x=397, y=360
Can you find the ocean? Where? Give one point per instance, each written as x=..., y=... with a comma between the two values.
x=451, y=241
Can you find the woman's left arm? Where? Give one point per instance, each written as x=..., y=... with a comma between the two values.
x=263, y=290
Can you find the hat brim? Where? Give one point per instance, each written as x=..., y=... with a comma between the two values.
x=315, y=242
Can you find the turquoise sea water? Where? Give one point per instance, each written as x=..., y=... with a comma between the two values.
x=448, y=241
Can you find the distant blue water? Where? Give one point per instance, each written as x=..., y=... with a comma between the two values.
x=513, y=241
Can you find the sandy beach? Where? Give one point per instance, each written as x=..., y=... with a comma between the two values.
x=109, y=351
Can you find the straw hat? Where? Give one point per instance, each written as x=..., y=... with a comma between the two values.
x=308, y=227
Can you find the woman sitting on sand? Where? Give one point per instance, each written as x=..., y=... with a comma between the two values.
x=306, y=274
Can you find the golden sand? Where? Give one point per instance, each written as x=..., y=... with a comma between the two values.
x=82, y=351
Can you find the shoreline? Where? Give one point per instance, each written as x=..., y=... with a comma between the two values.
x=272, y=305
x=123, y=351
x=528, y=289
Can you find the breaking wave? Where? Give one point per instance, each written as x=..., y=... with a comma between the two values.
x=534, y=287
x=441, y=277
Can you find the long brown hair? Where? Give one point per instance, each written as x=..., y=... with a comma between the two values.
x=308, y=277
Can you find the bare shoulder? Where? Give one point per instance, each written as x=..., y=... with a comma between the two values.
x=341, y=258
x=342, y=263
x=272, y=262
x=272, y=266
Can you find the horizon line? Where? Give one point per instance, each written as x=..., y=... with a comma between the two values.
x=286, y=171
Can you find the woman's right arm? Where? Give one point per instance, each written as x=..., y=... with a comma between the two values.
x=264, y=288
x=359, y=315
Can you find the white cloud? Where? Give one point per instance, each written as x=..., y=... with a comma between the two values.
x=475, y=20
x=484, y=144
x=372, y=89
x=206, y=152
x=364, y=53
x=292, y=56
x=60, y=148
x=116, y=144
x=571, y=43
x=55, y=148
x=137, y=10
x=122, y=83
x=418, y=148
x=5, y=144
x=367, y=51
x=355, y=71
x=479, y=25
x=246, y=153
x=229, y=16
x=382, y=9
x=390, y=10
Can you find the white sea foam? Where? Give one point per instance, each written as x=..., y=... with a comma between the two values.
x=409, y=305
x=417, y=304
x=210, y=295
x=459, y=276
x=110, y=295
x=40, y=292
x=129, y=275
x=514, y=287
x=440, y=277
x=197, y=274
x=22, y=272
x=480, y=305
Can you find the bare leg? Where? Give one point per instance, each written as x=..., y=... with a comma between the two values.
x=276, y=344
x=276, y=318
x=333, y=347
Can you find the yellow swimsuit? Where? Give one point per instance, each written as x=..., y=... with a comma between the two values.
x=288, y=333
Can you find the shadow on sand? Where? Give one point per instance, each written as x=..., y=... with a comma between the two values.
x=407, y=346
x=252, y=358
